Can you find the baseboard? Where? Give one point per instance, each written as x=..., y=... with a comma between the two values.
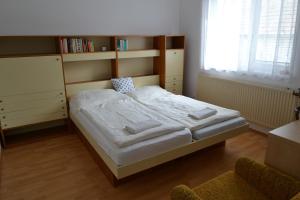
x=259, y=128
x=36, y=127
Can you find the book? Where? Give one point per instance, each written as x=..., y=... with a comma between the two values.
x=80, y=45
x=125, y=45
x=61, y=43
x=65, y=45
x=77, y=45
x=92, y=46
x=74, y=45
x=122, y=45
x=119, y=45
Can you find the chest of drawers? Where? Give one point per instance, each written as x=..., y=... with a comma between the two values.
x=31, y=91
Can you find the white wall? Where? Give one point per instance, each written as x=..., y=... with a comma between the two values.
x=106, y=17
x=190, y=26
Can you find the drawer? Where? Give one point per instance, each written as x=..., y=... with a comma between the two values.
x=32, y=119
x=174, y=78
x=175, y=90
x=31, y=101
x=174, y=62
x=51, y=108
x=174, y=87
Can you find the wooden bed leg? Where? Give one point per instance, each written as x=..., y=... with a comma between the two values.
x=2, y=138
x=70, y=126
x=114, y=181
x=222, y=144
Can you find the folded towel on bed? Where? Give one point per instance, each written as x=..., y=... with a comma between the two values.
x=202, y=114
x=135, y=128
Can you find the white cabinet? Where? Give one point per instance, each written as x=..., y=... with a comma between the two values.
x=31, y=91
x=283, y=149
x=174, y=70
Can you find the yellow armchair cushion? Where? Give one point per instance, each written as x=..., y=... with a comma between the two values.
x=272, y=183
x=296, y=197
x=183, y=192
x=228, y=186
x=250, y=181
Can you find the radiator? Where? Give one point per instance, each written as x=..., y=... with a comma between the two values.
x=265, y=106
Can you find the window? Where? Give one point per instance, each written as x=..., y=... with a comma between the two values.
x=252, y=37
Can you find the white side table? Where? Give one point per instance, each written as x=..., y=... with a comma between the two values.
x=283, y=152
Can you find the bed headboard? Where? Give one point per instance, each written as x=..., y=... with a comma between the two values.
x=140, y=81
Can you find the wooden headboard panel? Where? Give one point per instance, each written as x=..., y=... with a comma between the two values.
x=140, y=81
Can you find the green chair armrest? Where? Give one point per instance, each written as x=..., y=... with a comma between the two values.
x=274, y=184
x=183, y=192
x=296, y=197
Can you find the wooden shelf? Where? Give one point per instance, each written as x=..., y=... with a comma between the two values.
x=74, y=57
x=138, y=53
x=175, y=42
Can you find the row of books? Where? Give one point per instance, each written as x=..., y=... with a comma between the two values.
x=77, y=45
x=122, y=45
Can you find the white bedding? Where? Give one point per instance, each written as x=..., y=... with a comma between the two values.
x=112, y=115
x=179, y=107
x=134, y=153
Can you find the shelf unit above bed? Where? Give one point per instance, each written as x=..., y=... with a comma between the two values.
x=144, y=55
x=139, y=59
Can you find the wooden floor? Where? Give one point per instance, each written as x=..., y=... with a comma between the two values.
x=56, y=165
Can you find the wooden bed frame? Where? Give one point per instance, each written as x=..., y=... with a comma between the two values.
x=117, y=174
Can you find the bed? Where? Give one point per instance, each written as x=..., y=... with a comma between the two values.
x=104, y=113
x=180, y=108
x=122, y=162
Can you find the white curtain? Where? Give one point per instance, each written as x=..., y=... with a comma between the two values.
x=250, y=38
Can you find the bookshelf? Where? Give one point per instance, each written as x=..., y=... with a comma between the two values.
x=144, y=55
x=138, y=58
x=17, y=46
x=74, y=57
x=175, y=42
x=84, y=59
x=138, y=53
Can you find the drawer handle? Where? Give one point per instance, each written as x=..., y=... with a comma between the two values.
x=57, y=59
x=175, y=53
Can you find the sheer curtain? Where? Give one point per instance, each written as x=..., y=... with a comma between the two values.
x=251, y=38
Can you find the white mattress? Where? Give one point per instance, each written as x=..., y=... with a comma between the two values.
x=179, y=107
x=137, y=152
x=218, y=128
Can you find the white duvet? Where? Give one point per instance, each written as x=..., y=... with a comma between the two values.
x=111, y=117
x=179, y=107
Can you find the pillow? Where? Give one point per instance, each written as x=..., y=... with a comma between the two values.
x=93, y=97
x=123, y=85
x=149, y=92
